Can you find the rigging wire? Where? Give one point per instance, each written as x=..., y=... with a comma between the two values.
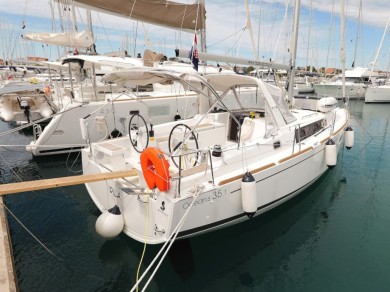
x=167, y=245
x=108, y=40
x=146, y=241
x=59, y=259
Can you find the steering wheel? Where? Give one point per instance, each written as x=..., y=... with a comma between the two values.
x=183, y=146
x=138, y=133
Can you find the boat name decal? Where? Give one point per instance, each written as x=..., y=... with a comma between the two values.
x=214, y=195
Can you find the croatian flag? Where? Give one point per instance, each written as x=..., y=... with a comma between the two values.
x=194, y=56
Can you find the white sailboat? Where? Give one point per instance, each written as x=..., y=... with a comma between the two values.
x=63, y=134
x=378, y=92
x=245, y=154
x=211, y=171
x=110, y=102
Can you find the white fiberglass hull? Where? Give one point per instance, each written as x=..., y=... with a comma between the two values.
x=63, y=134
x=280, y=173
x=352, y=91
x=378, y=94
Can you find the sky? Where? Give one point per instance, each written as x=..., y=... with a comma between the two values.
x=226, y=31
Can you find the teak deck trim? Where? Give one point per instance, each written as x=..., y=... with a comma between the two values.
x=27, y=186
x=295, y=154
x=335, y=133
x=239, y=176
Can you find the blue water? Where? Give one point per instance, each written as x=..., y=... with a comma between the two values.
x=333, y=237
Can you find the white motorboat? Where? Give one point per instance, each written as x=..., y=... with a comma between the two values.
x=23, y=103
x=244, y=155
x=356, y=82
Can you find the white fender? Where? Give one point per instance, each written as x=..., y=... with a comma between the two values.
x=110, y=223
x=349, y=137
x=45, y=110
x=330, y=153
x=6, y=112
x=248, y=194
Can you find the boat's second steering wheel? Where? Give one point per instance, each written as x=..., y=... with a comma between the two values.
x=138, y=133
x=183, y=146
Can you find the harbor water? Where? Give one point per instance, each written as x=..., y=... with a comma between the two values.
x=332, y=237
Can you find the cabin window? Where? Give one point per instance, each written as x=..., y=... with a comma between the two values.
x=308, y=130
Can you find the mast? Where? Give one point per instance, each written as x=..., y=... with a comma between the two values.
x=308, y=37
x=380, y=47
x=54, y=25
x=248, y=26
x=357, y=33
x=342, y=51
x=259, y=32
x=293, y=48
x=330, y=34
x=90, y=29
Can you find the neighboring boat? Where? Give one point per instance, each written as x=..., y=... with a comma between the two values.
x=356, y=82
x=23, y=103
x=244, y=155
x=87, y=96
x=380, y=93
x=380, y=90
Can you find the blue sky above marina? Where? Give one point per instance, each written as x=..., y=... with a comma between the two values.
x=225, y=32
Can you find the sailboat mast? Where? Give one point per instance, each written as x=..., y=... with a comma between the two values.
x=380, y=47
x=202, y=32
x=294, y=45
x=357, y=33
x=308, y=36
x=330, y=34
x=90, y=29
x=342, y=51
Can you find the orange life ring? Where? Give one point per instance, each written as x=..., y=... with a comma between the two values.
x=155, y=169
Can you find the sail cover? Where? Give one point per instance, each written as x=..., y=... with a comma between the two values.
x=175, y=15
x=83, y=39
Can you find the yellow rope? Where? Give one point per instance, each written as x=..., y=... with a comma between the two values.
x=146, y=234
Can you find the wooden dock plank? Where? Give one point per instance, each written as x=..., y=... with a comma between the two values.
x=13, y=188
x=7, y=268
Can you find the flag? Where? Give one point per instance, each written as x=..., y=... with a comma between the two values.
x=194, y=56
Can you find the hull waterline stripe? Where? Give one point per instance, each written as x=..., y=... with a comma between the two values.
x=230, y=219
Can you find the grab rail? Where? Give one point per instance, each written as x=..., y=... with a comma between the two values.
x=205, y=163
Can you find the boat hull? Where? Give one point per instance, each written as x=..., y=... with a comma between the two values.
x=154, y=218
x=378, y=94
x=352, y=91
x=63, y=134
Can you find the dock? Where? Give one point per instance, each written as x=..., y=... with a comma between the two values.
x=8, y=280
x=7, y=268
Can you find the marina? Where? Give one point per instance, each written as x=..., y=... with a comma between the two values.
x=143, y=170
x=332, y=236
